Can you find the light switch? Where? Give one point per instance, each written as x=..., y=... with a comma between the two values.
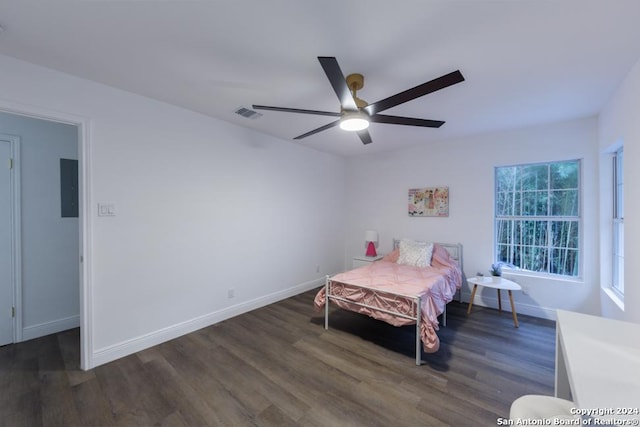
x=106, y=209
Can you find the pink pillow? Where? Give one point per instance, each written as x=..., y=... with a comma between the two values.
x=441, y=256
x=392, y=256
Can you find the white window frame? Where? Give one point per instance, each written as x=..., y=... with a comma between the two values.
x=578, y=218
x=617, y=284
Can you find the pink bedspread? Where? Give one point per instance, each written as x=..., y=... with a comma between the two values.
x=385, y=284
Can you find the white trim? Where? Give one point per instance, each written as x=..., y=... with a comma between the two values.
x=617, y=227
x=125, y=348
x=548, y=218
x=84, y=176
x=541, y=275
x=86, y=246
x=614, y=296
x=17, y=237
x=527, y=309
x=52, y=327
x=16, y=234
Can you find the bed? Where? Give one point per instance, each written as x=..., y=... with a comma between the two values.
x=410, y=285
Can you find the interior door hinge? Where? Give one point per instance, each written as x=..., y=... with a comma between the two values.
x=13, y=312
x=10, y=163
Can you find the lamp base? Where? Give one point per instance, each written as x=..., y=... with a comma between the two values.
x=371, y=249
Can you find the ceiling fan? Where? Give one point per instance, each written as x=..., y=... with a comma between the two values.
x=356, y=114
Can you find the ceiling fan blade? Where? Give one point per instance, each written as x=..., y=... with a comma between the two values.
x=296, y=110
x=320, y=129
x=415, y=92
x=338, y=82
x=365, y=137
x=395, y=120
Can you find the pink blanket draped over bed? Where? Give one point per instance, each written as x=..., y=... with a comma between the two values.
x=383, y=283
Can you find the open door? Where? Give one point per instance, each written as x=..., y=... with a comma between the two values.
x=7, y=281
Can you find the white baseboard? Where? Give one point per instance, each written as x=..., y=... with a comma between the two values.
x=528, y=309
x=117, y=351
x=48, y=328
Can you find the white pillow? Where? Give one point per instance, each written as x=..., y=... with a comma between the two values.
x=417, y=254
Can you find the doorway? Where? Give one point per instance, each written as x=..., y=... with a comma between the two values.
x=65, y=310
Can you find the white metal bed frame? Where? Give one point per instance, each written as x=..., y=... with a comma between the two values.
x=454, y=249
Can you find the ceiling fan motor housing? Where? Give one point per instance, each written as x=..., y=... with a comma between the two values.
x=355, y=81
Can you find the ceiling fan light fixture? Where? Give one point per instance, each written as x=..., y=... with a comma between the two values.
x=354, y=122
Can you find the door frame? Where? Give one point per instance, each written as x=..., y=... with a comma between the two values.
x=83, y=124
x=16, y=236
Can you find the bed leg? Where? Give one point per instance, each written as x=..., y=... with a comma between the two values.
x=326, y=302
x=444, y=316
x=418, y=341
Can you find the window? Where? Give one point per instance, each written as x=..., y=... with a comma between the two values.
x=537, y=217
x=618, y=224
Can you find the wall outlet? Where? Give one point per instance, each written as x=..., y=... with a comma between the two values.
x=525, y=289
x=231, y=293
x=318, y=268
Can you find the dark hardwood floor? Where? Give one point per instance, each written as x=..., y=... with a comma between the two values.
x=277, y=366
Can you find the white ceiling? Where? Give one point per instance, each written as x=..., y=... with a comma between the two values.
x=525, y=62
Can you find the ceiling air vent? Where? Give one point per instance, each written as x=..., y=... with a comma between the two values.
x=249, y=114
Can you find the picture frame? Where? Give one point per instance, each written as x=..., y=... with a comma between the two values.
x=429, y=202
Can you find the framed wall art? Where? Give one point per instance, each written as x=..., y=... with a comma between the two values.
x=429, y=201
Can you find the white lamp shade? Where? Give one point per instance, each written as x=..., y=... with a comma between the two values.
x=371, y=236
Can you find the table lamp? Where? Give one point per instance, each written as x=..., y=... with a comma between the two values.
x=371, y=239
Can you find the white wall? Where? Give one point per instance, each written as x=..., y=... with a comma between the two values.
x=202, y=206
x=619, y=122
x=50, y=260
x=377, y=199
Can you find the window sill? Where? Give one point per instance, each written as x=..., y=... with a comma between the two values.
x=615, y=297
x=541, y=276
